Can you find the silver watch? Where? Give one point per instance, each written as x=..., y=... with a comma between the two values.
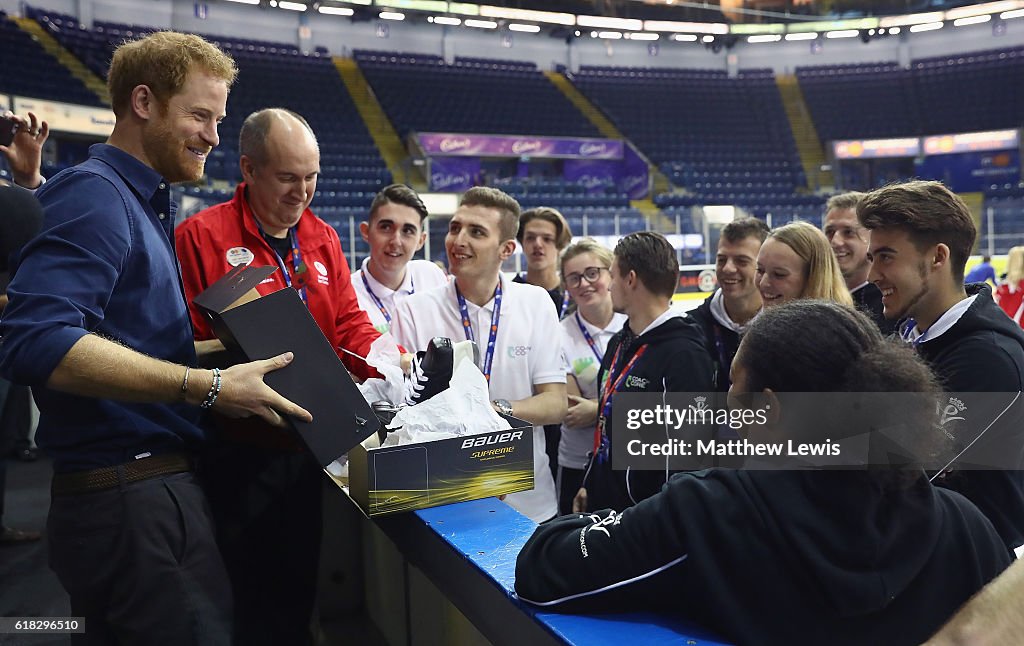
x=504, y=406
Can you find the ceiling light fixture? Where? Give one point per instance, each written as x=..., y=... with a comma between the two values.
x=335, y=11
x=971, y=20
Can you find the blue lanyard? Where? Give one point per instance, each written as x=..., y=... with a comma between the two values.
x=908, y=329
x=377, y=301
x=589, y=339
x=300, y=267
x=495, y=316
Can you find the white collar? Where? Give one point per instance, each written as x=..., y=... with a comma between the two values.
x=614, y=325
x=719, y=313
x=942, y=325
x=860, y=287
x=668, y=314
x=489, y=305
x=382, y=290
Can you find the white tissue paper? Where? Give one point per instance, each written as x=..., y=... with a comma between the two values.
x=463, y=409
x=385, y=357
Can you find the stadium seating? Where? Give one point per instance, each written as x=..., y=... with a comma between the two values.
x=32, y=72
x=270, y=75
x=959, y=93
x=722, y=138
x=1004, y=209
x=421, y=93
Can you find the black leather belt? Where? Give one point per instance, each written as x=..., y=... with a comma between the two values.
x=93, y=480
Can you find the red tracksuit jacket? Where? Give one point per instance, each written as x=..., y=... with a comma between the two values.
x=210, y=241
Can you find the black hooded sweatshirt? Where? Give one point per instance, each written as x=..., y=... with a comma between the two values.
x=984, y=352
x=868, y=299
x=773, y=557
x=721, y=342
x=675, y=361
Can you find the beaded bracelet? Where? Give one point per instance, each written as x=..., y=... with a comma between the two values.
x=211, y=396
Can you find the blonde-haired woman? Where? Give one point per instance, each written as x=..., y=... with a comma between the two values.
x=796, y=261
x=1010, y=294
x=585, y=335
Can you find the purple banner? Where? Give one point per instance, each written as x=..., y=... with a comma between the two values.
x=596, y=174
x=450, y=144
x=634, y=175
x=454, y=174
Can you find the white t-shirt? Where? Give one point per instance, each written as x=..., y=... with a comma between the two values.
x=527, y=352
x=580, y=362
x=420, y=275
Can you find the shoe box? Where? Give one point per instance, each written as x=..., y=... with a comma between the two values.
x=260, y=327
x=382, y=480
x=387, y=480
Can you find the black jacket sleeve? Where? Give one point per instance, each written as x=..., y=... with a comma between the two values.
x=608, y=560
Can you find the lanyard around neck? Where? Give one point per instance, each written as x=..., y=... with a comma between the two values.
x=608, y=389
x=589, y=339
x=299, y=266
x=468, y=328
x=376, y=300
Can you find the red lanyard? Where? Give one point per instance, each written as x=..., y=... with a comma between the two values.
x=608, y=390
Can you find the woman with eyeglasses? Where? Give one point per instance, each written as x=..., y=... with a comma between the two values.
x=585, y=335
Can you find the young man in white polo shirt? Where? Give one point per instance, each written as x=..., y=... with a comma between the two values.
x=513, y=324
x=394, y=232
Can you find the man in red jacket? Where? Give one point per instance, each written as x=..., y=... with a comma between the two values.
x=264, y=489
x=268, y=222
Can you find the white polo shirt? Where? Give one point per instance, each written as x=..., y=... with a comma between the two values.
x=527, y=352
x=579, y=362
x=420, y=275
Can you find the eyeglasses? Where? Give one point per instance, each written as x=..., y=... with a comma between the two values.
x=590, y=273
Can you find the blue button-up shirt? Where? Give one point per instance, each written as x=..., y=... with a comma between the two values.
x=104, y=263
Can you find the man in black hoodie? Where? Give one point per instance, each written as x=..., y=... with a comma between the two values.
x=724, y=315
x=921, y=236
x=658, y=350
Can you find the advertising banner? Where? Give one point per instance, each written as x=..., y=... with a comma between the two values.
x=454, y=174
x=66, y=117
x=968, y=172
x=474, y=145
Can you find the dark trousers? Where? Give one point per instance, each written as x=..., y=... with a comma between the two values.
x=552, y=436
x=15, y=424
x=16, y=419
x=568, y=482
x=141, y=565
x=267, y=509
x=5, y=445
